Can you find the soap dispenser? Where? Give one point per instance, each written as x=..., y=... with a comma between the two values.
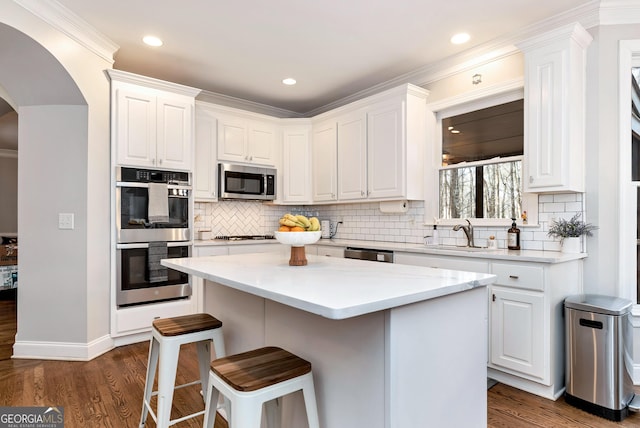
x=513, y=236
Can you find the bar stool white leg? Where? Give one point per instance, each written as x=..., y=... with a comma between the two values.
x=204, y=359
x=309, y=393
x=212, y=396
x=166, y=383
x=246, y=414
x=273, y=413
x=152, y=365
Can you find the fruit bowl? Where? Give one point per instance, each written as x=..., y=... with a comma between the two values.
x=297, y=239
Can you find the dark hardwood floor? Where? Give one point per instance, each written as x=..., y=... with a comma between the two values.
x=107, y=391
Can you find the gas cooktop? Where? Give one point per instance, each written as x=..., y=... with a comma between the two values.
x=243, y=237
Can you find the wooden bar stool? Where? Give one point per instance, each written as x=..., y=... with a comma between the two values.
x=253, y=378
x=168, y=334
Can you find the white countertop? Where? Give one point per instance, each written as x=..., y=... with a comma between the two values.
x=330, y=287
x=500, y=254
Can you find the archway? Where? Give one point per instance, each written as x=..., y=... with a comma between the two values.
x=57, y=85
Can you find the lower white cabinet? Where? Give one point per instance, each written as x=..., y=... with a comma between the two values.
x=442, y=262
x=517, y=333
x=138, y=319
x=325, y=250
x=526, y=317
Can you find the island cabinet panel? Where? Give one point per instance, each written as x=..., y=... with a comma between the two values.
x=391, y=346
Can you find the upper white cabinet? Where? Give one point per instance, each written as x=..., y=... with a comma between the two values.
x=153, y=122
x=246, y=140
x=352, y=155
x=205, y=175
x=324, y=161
x=380, y=143
x=295, y=173
x=555, y=110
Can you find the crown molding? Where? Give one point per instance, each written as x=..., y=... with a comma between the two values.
x=150, y=82
x=252, y=106
x=587, y=15
x=65, y=21
x=619, y=12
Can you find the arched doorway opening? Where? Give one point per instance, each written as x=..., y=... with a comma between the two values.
x=61, y=94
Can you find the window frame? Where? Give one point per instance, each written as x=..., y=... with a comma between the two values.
x=474, y=100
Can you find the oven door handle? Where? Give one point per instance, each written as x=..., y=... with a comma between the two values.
x=146, y=185
x=146, y=245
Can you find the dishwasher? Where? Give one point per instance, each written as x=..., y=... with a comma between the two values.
x=385, y=256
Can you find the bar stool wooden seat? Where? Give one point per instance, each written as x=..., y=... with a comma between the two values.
x=251, y=379
x=167, y=335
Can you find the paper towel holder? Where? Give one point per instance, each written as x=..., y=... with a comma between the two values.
x=389, y=207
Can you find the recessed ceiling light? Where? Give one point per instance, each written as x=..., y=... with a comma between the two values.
x=289, y=81
x=460, y=38
x=152, y=40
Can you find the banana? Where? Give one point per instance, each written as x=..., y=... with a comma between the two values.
x=305, y=221
x=314, y=224
x=286, y=222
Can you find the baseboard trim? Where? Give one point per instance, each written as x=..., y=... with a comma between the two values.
x=62, y=350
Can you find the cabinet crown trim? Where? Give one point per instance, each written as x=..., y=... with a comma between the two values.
x=149, y=82
x=574, y=31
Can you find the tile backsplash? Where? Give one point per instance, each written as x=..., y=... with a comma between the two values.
x=365, y=221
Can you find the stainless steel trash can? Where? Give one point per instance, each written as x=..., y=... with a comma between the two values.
x=597, y=332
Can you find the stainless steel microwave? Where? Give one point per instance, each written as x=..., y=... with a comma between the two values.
x=246, y=182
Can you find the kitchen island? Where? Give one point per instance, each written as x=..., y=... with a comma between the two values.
x=392, y=346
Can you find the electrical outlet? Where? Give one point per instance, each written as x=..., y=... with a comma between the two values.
x=65, y=220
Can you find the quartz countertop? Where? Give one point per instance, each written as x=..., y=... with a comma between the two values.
x=331, y=287
x=441, y=250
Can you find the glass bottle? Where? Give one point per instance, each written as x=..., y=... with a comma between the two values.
x=513, y=236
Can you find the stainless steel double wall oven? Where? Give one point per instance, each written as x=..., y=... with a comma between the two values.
x=141, y=242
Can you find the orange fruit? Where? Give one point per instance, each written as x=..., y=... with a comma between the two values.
x=284, y=228
x=297, y=229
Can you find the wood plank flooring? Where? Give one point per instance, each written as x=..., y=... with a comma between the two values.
x=107, y=391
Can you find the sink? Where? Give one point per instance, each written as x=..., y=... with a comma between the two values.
x=456, y=248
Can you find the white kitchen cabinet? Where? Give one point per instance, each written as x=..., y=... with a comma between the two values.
x=554, y=97
x=327, y=250
x=352, y=156
x=153, y=122
x=517, y=333
x=526, y=322
x=526, y=345
x=380, y=151
x=205, y=172
x=443, y=262
x=246, y=140
x=324, y=161
x=295, y=173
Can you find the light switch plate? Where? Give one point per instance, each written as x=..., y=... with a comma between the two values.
x=65, y=220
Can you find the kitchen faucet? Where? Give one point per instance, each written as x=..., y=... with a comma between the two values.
x=468, y=231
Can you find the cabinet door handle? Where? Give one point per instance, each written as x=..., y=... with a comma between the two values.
x=493, y=297
x=531, y=179
x=513, y=276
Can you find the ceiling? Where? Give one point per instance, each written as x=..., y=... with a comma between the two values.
x=334, y=48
